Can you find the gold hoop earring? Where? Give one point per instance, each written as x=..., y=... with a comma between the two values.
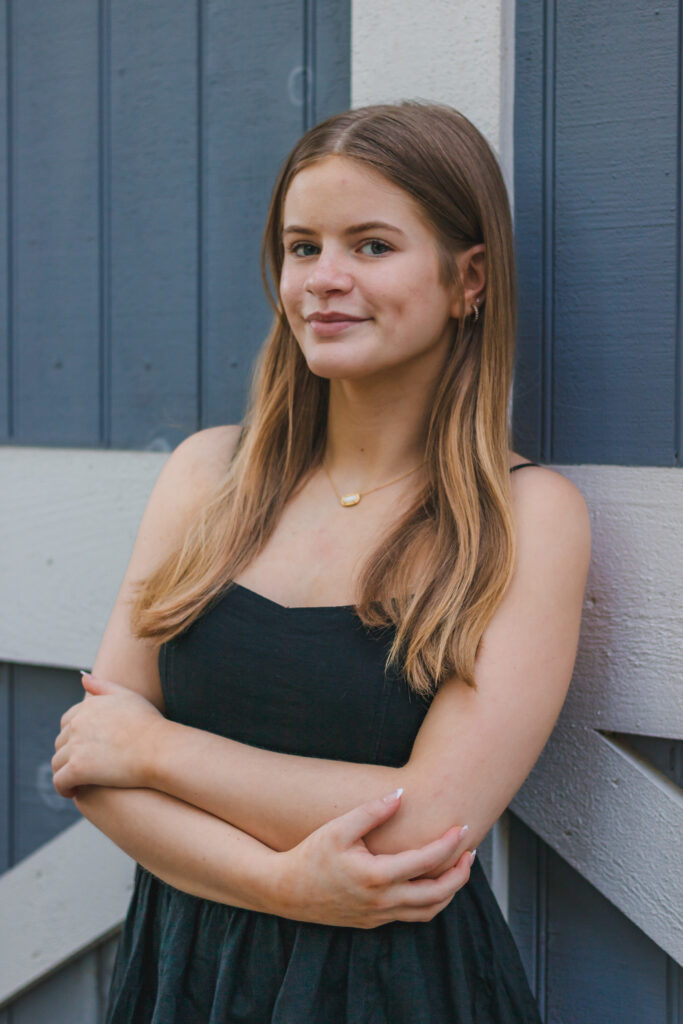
x=475, y=311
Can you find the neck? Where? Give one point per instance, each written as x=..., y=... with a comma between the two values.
x=374, y=433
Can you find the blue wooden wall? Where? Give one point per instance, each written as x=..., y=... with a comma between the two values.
x=139, y=143
x=599, y=228
x=598, y=222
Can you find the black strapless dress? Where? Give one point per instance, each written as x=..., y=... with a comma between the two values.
x=306, y=681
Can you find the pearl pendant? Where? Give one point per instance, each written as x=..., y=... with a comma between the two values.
x=350, y=499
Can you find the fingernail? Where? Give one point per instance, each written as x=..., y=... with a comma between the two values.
x=463, y=832
x=473, y=854
x=84, y=671
x=392, y=796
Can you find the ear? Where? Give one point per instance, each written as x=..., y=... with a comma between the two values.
x=471, y=265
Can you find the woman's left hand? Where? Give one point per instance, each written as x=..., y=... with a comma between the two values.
x=106, y=740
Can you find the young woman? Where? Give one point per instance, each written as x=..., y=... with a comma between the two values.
x=347, y=628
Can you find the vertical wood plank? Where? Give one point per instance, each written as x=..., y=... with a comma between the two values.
x=597, y=140
x=5, y=207
x=331, y=72
x=615, y=200
x=68, y=997
x=106, y=955
x=41, y=696
x=524, y=899
x=601, y=967
x=252, y=113
x=5, y=769
x=55, y=279
x=529, y=225
x=153, y=227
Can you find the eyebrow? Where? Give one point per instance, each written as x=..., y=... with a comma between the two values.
x=355, y=229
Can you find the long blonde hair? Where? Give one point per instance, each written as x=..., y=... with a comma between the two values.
x=458, y=532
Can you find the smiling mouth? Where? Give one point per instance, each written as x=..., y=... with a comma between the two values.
x=329, y=327
x=329, y=318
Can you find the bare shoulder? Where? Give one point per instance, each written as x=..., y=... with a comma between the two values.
x=189, y=474
x=202, y=459
x=551, y=515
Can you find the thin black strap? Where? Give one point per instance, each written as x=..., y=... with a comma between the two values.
x=521, y=465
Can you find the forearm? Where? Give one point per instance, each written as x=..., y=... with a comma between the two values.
x=278, y=798
x=186, y=847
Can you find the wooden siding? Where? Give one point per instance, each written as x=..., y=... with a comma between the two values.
x=598, y=222
x=138, y=147
x=600, y=380
x=140, y=143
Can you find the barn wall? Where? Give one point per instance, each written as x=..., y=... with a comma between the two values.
x=138, y=148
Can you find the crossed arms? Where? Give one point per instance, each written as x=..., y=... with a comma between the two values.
x=268, y=831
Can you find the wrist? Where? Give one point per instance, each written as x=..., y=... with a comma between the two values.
x=158, y=741
x=277, y=889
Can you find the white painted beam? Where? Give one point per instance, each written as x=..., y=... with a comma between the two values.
x=457, y=53
x=612, y=816
x=56, y=904
x=68, y=520
x=617, y=821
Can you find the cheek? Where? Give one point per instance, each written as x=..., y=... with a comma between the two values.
x=291, y=287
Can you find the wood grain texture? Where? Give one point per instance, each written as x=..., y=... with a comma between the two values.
x=70, y=997
x=67, y=538
x=6, y=767
x=596, y=141
x=153, y=129
x=54, y=242
x=586, y=961
x=40, y=698
x=46, y=921
x=5, y=224
x=598, y=802
x=144, y=142
x=256, y=52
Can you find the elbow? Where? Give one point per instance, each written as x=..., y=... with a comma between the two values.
x=429, y=807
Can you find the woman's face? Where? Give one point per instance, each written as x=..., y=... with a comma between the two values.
x=360, y=280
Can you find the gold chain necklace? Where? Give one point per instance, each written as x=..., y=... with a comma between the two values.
x=348, y=500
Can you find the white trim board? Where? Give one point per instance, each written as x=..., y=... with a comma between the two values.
x=455, y=53
x=68, y=522
x=604, y=809
x=62, y=900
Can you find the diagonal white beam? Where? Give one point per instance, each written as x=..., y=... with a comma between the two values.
x=617, y=821
x=68, y=896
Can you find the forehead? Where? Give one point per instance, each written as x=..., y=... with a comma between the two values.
x=340, y=189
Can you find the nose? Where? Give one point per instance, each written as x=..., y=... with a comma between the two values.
x=329, y=274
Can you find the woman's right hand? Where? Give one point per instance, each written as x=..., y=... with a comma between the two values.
x=332, y=878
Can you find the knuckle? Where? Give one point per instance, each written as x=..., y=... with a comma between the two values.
x=373, y=876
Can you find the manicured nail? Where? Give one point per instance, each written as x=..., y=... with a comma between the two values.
x=392, y=796
x=472, y=856
x=84, y=671
x=463, y=832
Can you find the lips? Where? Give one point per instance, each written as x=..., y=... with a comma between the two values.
x=329, y=325
x=332, y=318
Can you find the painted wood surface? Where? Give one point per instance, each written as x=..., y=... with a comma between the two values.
x=585, y=960
x=138, y=148
x=143, y=144
x=61, y=901
x=598, y=223
x=67, y=538
x=600, y=805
